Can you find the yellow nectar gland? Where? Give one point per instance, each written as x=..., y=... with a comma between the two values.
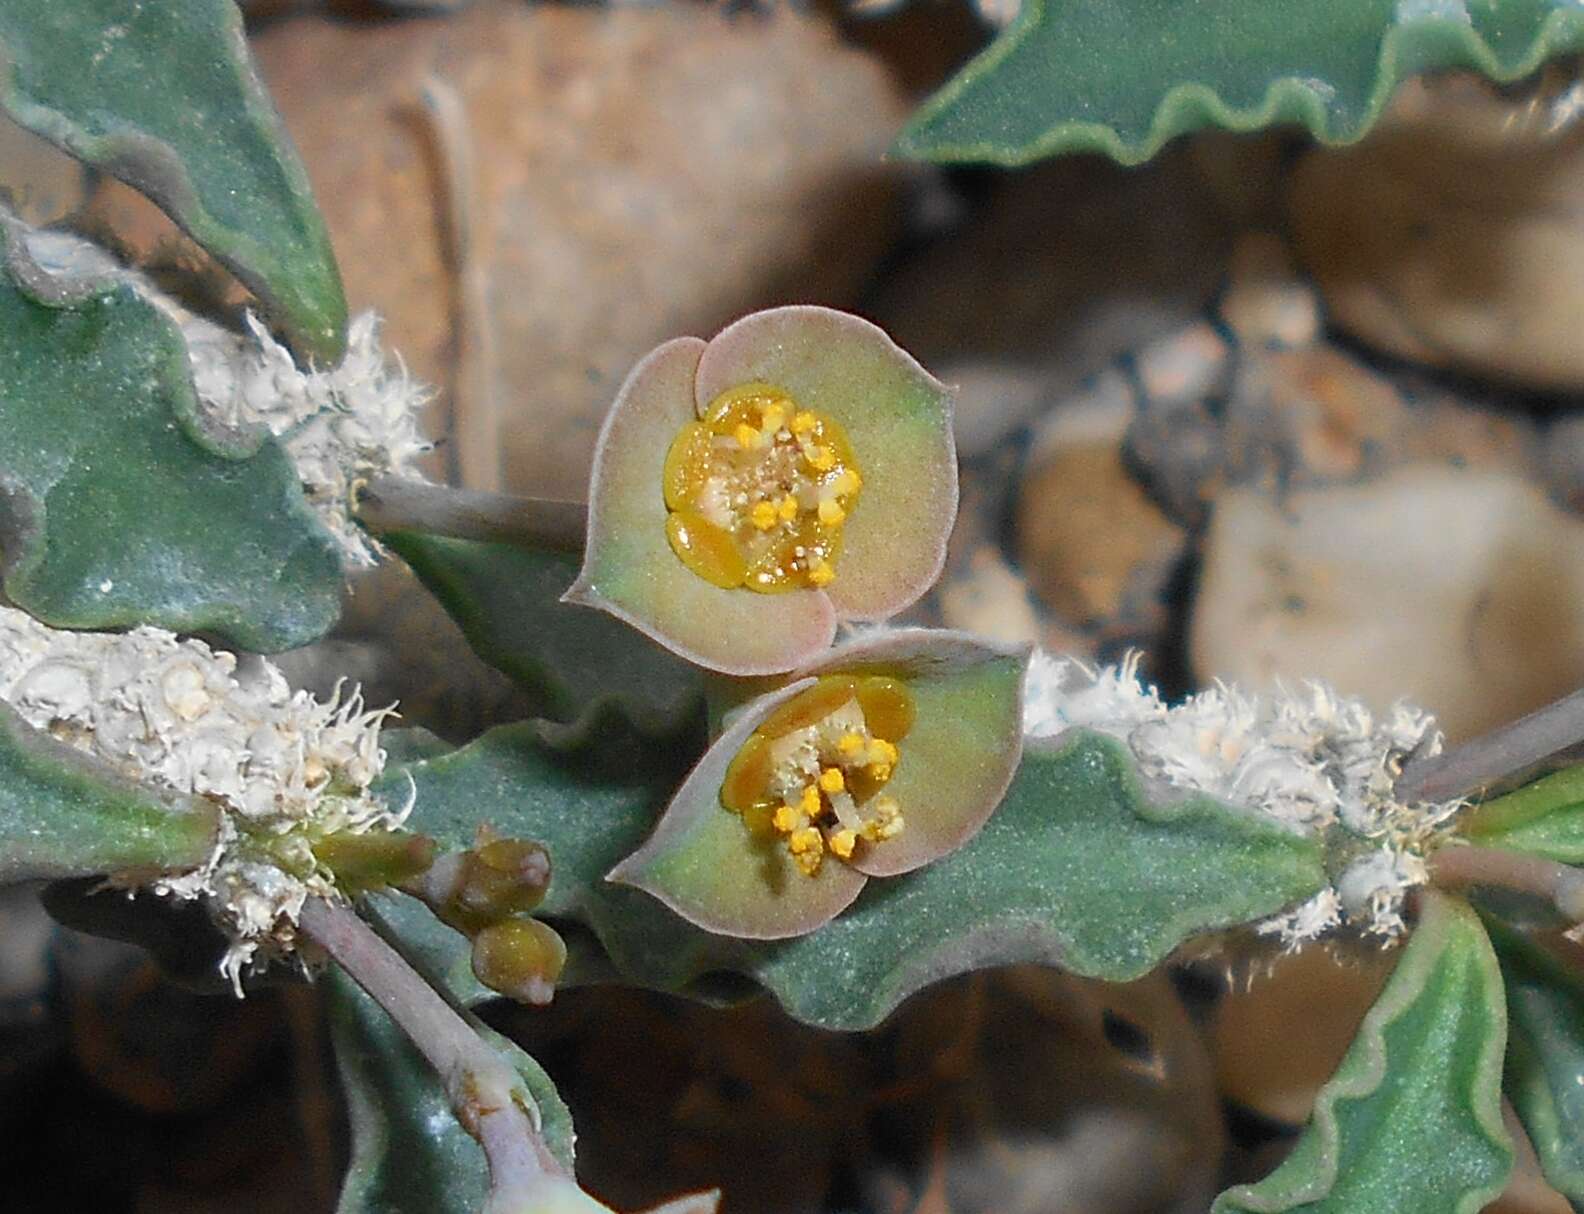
x=813, y=773
x=758, y=492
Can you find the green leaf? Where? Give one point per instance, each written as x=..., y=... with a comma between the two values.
x=507, y=601
x=118, y=505
x=409, y=1154
x=1545, y=818
x=1076, y=868
x=1545, y=1056
x=1411, y=1121
x=1123, y=77
x=64, y=814
x=164, y=96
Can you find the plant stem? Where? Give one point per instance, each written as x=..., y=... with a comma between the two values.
x=1456, y=865
x=1476, y=767
x=394, y=503
x=482, y=1088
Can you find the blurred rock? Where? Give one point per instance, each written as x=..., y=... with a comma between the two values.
x=1454, y=235
x=1252, y=1038
x=1266, y=303
x=992, y=599
x=39, y=182
x=1459, y=590
x=639, y=173
x=1189, y=364
x=1093, y=545
x=1062, y=268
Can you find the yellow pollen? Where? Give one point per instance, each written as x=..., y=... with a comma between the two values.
x=764, y=515
x=787, y=508
x=848, y=483
x=880, y=771
x=822, y=459
x=747, y=437
x=803, y=421
x=843, y=842
x=882, y=753
x=806, y=839
x=810, y=802
x=820, y=573
x=770, y=421
x=850, y=743
x=830, y=512
x=786, y=819
x=832, y=780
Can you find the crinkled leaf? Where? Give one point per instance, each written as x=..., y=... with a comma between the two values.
x=1411, y=1121
x=408, y=1152
x=1545, y=818
x=1125, y=76
x=507, y=601
x=63, y=814
x=165, y=97
x=117, y=505
x=1545, y=1056
x=1076, y=868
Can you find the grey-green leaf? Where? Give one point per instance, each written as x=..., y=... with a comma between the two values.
x=64, y=814
x=409, y=1154
x=1411, y=1121
x=1545, y=1056
x=117, y=505
x=1077, y=868
x=165, y=97
x=507, y=601
x=1544, y=818
x=1123, y=77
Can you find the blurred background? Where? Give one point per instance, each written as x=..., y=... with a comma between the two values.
x=1258, y=409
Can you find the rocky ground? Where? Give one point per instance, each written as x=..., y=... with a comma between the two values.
x=1259, y=410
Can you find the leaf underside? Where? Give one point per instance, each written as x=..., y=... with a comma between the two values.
x=1545, y=1056
x=507, y=602
x=64, y=815
x=1076, y=868
x=409, y=1154
x=165, y=97
x=1411, y=1121
x=116, y=507
x=1125, y=76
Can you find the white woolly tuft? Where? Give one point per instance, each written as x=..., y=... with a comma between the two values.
x=341, y=426
x=1313, y=761
x=175, y=713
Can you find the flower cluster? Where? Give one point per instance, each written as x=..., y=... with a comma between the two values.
x=286, y=770
x=1318, y=763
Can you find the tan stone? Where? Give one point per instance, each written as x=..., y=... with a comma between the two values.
x=1454, y=235
x=1459, y=590
x=1093, y=545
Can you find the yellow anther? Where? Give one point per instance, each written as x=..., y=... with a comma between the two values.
x=882, y=753
x=820, y=573
x=848, y=482
x=808, y=862
x=891, y=829
x=821, y=459
x=830, y=512
x=810, y=801
x=850, y=743
x=786, y=819
x=770, y=421
x=880, y=771
x=787, y=508
x=764, y=515
x=832, y=780
x=803, y=421
x=747, y=437
x=843, y=842
x=805, y=840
